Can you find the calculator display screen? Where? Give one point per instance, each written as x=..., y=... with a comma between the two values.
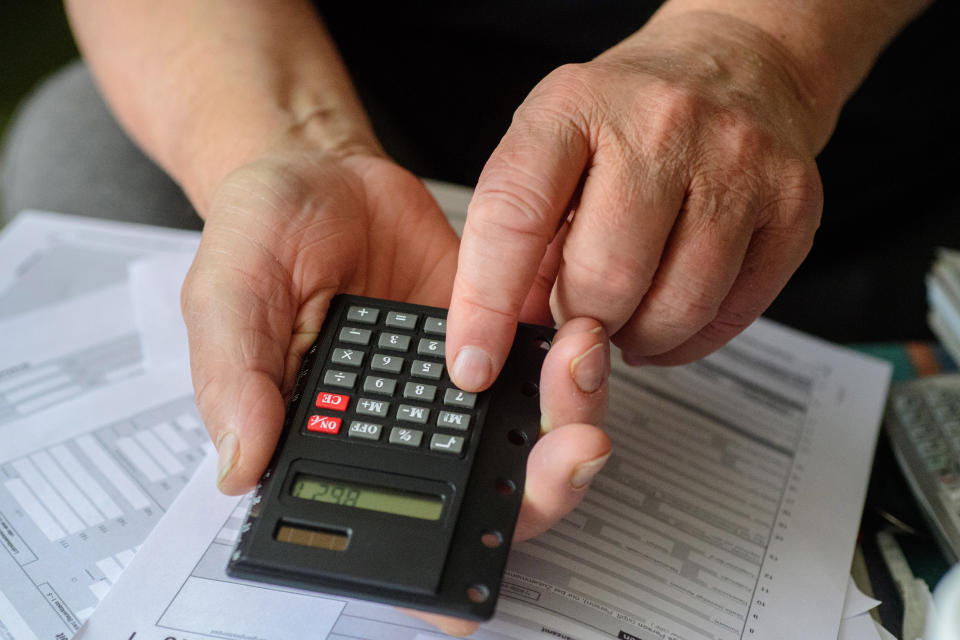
x=361, y=496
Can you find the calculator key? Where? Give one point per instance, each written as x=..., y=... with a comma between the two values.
x=347, y=357
x=368, y=407
x=335, y=401
x=435, y=326
x=424, y=369
x=377, y=384
x=410, y=413
x=385, y=363
x=452, y=420
x=457, y=398
x=417, y=391
x=366, y=315
x=445, y=443
x=336, y=378
x=401, y=320
x=324, y=424
x=394, y=341
x=406, y=437
x=353, y=335
x=428, y=347
x=364, y=430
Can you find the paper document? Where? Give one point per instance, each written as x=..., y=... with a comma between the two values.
x=728, y=510
x=82, y=485
x=65, y=308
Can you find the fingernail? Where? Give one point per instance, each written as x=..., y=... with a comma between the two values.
x=227, y=451
x=472, y=369
x=588, y=369
x=585, y=471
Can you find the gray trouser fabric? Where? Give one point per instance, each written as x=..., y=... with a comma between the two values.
x=65, y=152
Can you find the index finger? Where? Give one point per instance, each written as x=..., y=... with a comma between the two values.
x=523, y=193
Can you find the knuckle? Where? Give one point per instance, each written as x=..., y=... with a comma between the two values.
x=685, y=309
x=798, y=201
x=607, y=276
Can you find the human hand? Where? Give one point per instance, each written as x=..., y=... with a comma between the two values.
x=287, y=232
x=283, y=235
x=686, y=158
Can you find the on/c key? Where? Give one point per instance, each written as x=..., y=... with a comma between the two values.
x=324, y=424
x=335, y=401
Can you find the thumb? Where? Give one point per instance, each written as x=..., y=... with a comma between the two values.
x=238, y=341
x=559, y=470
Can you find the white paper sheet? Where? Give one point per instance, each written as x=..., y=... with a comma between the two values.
x=154, y=288
x=729, y=510
x=81, y=485
x=65, y=309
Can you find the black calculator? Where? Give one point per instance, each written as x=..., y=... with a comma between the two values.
x=388, y=482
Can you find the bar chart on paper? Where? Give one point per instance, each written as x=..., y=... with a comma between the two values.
x=73, y=514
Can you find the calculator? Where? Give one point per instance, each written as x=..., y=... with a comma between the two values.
x=922, y=421
x=389, y=483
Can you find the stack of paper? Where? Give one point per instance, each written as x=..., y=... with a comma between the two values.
x=728, y=510
x=943, y=296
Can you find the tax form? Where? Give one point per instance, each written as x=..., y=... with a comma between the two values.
x=65, y=306
x=728, y=510
x=93, y=445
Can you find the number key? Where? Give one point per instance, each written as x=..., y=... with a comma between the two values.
x=394, y=342
x=428, y=347
x=388, y=364
x=417, y=391
x=458, y=398
x=376, y=384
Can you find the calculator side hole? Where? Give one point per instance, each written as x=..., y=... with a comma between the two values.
x=543, y=343
x=529, y=389
x=506, y=487
x=478, y=593
x=492, y=539
x=517, y=437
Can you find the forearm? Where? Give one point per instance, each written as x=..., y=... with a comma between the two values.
x=826, y=46
x=204, y=87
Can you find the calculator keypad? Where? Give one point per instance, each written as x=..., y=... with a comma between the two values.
x=386, y=374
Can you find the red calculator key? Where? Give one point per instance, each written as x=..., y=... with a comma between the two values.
x=324, y=424
x=335, y=401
